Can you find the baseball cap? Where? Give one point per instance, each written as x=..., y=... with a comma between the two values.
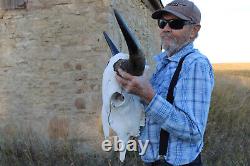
x=184, y=9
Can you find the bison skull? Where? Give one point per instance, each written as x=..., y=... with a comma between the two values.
x=122, y=111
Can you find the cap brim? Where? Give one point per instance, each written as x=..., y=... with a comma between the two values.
x=158, y=14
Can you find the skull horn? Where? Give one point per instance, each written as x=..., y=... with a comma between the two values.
x=136, y=63
x=113, y=48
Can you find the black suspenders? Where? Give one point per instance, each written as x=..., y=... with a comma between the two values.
x=164, y=135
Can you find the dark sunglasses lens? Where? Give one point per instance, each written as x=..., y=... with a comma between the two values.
x=176, y=24
x=173, y=24
x=162, y=23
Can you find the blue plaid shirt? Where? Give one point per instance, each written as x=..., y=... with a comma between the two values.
x=186, y=119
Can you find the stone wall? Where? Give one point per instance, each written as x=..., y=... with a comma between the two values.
x=52, y=55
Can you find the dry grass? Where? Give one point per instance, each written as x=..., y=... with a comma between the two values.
x=228, y=132
x=231, y=66
x=227, y=138
x=28, y=149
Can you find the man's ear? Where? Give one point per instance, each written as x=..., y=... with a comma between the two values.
x=195, y=30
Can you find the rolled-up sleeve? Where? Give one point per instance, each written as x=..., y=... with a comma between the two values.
x=187, y=117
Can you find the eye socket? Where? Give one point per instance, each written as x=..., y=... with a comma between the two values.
x=118, y=96
x=117, y=99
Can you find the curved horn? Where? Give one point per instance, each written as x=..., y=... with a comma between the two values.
x=113, y=48
x=136, y=56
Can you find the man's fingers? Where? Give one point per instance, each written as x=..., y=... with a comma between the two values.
x=125, y=74
x=121, y=80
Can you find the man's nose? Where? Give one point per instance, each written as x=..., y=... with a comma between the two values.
x=166, y=28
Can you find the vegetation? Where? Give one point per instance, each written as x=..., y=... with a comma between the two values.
x=227, y=138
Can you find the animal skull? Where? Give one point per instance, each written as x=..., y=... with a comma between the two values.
x=122, y=111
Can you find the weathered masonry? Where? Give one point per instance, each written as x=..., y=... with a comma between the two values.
x=52, y=55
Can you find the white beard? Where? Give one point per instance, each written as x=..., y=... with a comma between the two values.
x=175, y=45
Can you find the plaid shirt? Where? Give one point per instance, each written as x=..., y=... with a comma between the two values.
x=186, y=119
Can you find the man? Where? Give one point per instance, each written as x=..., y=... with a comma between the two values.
x=185, y=118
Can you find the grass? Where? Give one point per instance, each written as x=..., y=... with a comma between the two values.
x=227, y=138
x=27, y=149
x=228, y=132
x=231, y=66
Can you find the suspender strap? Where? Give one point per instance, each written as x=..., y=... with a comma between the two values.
x=164, y=135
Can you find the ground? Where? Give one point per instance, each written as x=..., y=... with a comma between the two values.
x=227, y=138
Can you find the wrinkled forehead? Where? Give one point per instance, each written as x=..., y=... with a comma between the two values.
x=169, y=16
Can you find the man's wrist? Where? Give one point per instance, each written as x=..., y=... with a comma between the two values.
x=149, y=96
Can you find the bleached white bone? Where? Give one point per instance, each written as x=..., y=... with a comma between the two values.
x=121, y=111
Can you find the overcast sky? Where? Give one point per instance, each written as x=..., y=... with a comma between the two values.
x=225, y=30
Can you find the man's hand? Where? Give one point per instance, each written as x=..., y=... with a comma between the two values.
x=137, y=85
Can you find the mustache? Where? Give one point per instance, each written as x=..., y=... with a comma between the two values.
x=165, y=34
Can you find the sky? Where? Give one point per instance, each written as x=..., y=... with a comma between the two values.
x=225, y=30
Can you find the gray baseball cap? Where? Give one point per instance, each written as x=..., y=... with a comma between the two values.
x=184, y=9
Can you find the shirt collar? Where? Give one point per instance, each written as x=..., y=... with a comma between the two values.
x=159, y=57
x=163, y=57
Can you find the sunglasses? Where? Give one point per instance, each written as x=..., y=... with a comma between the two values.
x=173, y=23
